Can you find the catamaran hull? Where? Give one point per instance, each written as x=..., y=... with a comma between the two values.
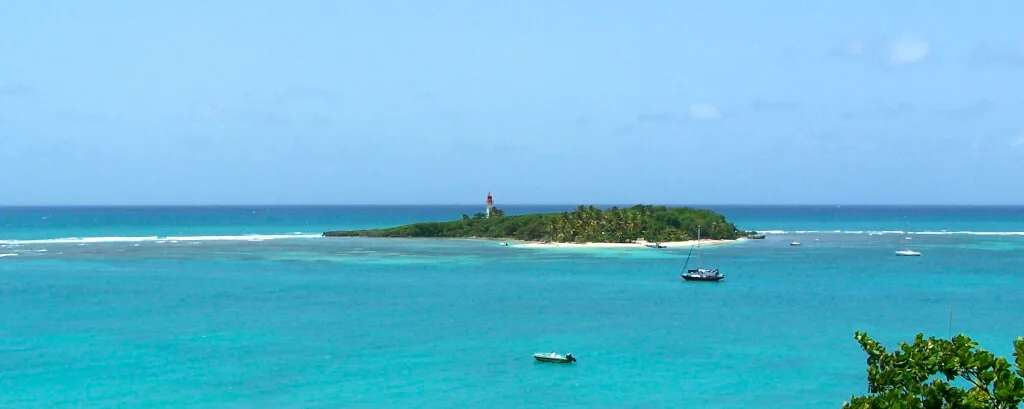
x=698, y=278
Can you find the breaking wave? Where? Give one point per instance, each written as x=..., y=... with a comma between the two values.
x=159, y=239
x=897, y=232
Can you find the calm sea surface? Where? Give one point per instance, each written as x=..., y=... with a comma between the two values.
x=246, y=307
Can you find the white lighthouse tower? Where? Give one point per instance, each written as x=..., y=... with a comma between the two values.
x=490, y=204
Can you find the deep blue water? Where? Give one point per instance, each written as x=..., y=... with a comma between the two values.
x=245, y=307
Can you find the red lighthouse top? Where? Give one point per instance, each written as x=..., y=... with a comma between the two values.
x=489, y=199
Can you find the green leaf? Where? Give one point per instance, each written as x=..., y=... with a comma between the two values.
x=906, y=377
x=1018, y=347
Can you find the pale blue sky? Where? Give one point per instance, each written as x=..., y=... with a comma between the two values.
x=258, y=102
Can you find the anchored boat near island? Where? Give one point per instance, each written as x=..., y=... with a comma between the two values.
x=700, y=274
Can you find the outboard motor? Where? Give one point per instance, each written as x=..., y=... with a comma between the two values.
x=571, y=358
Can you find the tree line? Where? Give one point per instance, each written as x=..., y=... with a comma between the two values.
x=584, y=224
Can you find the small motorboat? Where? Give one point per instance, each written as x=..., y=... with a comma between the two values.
x=795, y=243
x=756, y=236
x=504, y=244
x=554, y=358
x=907, y=252
x=702, y=274
x=655, y=245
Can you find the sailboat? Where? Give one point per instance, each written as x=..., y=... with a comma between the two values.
x=906, y=247
x=700, y=274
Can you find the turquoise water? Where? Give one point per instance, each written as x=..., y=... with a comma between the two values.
x=247, y=308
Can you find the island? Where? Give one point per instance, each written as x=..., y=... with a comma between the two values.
x=586, y=225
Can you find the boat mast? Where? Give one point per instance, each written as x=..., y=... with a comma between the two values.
x=698, y=247
x=906, y=236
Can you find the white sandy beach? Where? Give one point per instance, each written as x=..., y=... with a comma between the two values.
x=637, y=244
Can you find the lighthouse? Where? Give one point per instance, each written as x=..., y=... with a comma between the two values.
x=490, y=204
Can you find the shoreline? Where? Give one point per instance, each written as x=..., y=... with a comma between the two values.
x=638, y=244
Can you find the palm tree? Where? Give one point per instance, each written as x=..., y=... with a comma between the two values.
x=555, y=227
x=636, y=225
x=618, y=226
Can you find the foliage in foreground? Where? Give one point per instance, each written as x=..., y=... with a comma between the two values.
x=585, y=224
x=937, y=373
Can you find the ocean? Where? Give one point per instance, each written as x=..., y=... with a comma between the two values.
x=248, y=307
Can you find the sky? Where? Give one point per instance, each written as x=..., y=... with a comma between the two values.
x=387, y=102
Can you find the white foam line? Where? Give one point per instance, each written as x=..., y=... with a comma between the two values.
x=81, y=240
x=157, y=239
x=889, y=232
x=249, y=237
x=9, y=255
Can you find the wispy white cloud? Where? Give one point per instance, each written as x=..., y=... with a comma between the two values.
x=16, y=90
x=908, y=50
x=296, y=95
x=1000, y=54
x=881, y=110
x=974, y=110
x=854, y=48
x=804, y=142
x=1017, y=143
x=773, y=106
x=655, y=118
x=977, y=141
x=995, y=140
x=887, y=110
x=704, y=110
x=898, y=51
x=206, y=110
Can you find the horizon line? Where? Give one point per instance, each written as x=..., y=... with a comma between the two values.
x=122, y=206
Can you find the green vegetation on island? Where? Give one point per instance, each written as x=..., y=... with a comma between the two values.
x=585, y=224
x=939, y=373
